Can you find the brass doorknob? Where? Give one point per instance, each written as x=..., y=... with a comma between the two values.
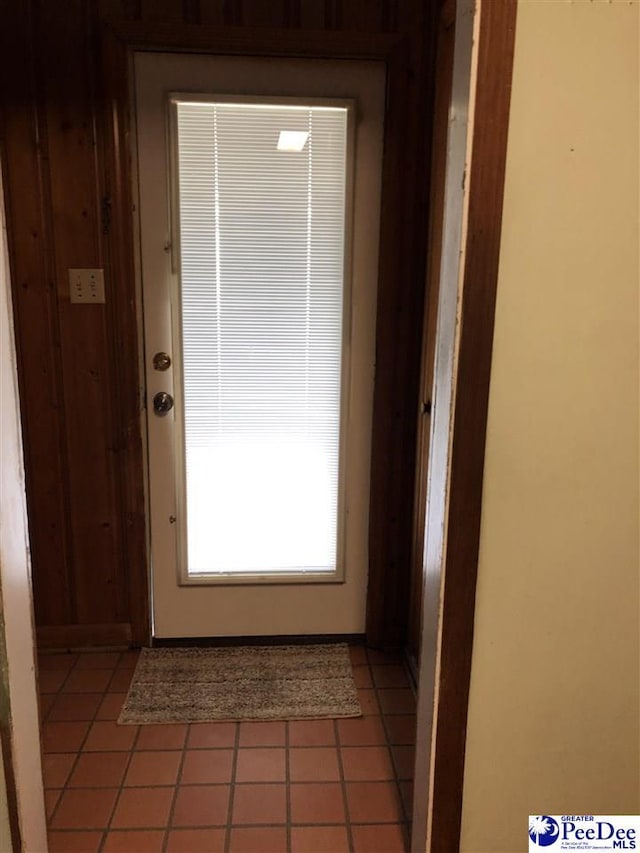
x=161, y=361
x=162, y=403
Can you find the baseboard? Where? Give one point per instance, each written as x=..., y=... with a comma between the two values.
x=277, y=640
x=117, y=634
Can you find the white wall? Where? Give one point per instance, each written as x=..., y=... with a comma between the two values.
x=17, y=639
x=554, y=708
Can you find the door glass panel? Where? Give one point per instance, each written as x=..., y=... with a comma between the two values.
x=261, y=190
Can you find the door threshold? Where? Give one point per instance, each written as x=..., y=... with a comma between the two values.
x=275, y=640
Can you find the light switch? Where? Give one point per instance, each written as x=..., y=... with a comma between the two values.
x=86, y=285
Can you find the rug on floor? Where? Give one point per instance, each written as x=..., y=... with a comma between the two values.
x=197, y=685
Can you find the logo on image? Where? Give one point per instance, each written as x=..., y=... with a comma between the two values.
x=583, y=832
x=543, y=830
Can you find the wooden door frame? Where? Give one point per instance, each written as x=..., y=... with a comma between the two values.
x=467, y=299
x=119, y=40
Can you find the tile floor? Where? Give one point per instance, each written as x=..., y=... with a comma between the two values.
x=323, y=786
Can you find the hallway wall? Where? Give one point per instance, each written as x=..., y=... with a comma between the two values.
x=554, y=706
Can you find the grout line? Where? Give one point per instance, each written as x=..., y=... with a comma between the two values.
x=121, y=786
x=232, y=785
x=343, y=787
x=176, y=789
x=287, y=779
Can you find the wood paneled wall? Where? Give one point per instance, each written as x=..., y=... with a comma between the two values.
x=79, y=383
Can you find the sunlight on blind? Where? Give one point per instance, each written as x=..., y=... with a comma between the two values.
x=262, y=226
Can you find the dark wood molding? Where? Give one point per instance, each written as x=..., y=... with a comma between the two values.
x=489, y=146
x=51, y=637
x=255, y=41
x=125, y=347
x=403, y=258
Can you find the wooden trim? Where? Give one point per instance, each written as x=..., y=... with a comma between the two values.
x=442, y=99
x=489, y=147
x=403, y=257
x=120, y=270
x=80, y=636
x=255, y=41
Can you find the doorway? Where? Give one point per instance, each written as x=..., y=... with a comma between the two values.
x=259, y=272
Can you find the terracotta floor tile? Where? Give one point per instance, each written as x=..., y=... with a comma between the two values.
x=139, y=808
x=121, y=681
x=403, y=761
x=153, y=768
x=361, y=731
x=74, y=842
x=87, y=681
x=320, y=802
x=362, y=676
x=366, y=763
x=378, y=657
x=196, y=841
x=105, y=735
x=162, y=737
x=75, y=706
x=110, y=706
x=99, y=770
x=206, y=766
x=56, y=768
x=390, y=676
x=368, y=701
x=373, y=802
x=312, y=733
x=384, y=838
x=406, y=795
x=45, y=701
x=97, y=660
x=51, y=797
x=319, y=839
x=201, y=805
x=314, y=764
x=401, y=728
x=358, y=655
x=211, y=735
x=397, y=701
x=56, y=661
x=134, y=841
x=262, y=734
x=51, y=680
x=128, y=660
x=63, y=737
x=261, y=765
x=259, y=804
x=267, y=839
x=84, y=809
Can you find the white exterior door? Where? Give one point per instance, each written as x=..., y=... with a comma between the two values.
x=259, y=200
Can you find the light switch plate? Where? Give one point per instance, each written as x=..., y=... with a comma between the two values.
x=86, y=286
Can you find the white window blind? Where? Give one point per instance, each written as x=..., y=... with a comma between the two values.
x=261, y=199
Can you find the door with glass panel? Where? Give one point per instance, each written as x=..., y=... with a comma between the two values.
x=259, y=195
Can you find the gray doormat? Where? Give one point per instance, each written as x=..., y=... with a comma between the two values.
x=241, y=683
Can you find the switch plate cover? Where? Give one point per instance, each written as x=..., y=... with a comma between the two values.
x=86, y=286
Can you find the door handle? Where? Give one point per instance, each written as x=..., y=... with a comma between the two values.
x=161, y=361
x=162, y=403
